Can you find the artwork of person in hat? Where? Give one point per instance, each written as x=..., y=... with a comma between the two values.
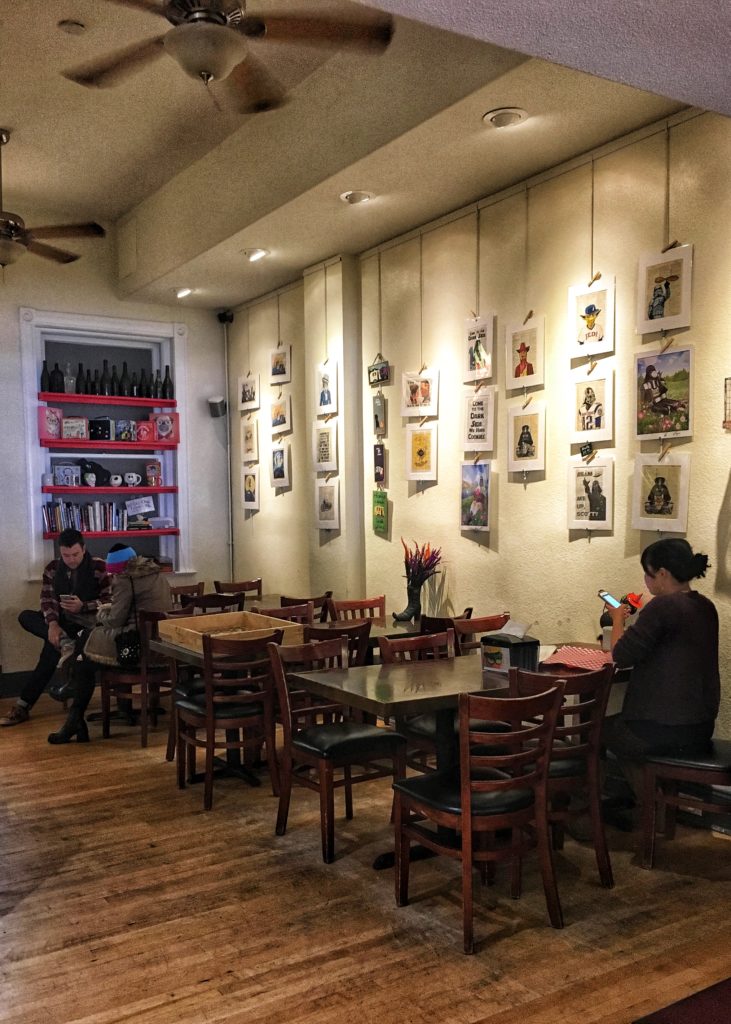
x=591, y=411
x=592, y=330
x=660, y=295
x=523, y=368
x=325, y=396
x=659, y=500
x=249, y=488
x=525, y=449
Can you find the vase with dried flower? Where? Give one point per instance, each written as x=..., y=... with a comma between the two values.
x=420, y=563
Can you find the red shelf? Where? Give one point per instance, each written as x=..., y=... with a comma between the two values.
x=120, y=533
x=109, y=490
x=70, y=444
x=53, y=397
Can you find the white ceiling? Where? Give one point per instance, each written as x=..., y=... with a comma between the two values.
x=406, y=125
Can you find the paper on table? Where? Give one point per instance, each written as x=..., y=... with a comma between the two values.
x=545, y=651
x=514, y=628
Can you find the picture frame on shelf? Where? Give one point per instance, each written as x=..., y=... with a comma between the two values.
x=250, y=439
x=248, y=391
x=527, y=438
x=250, y=479
x=145, y=432
x=524, y=354
x=591, y=319
x=421, y=451
x=279, y=466
x=420, y=393
x=379, y=373
x=75, y=428
x=590, y=498
x=66, y=475
x=474, y=499
x=325, y=447
x=327, y=504
x=664, y=282
x=592, y=405
x=664, y=393
x=281, y=414
x=280, y=365
x=326, y=388
x=380, y=425
x=478, y=419
x=660, y=492
x=477, y=349
x=166, y=426
x=49, y=423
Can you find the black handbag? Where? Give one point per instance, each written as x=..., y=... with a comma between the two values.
x=129, y=642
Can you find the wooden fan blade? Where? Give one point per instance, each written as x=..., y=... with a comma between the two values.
x=115, y=67
x=151, y=6
x=50, y=252
x=319, y=30
x=250, y=88
x=90, y=230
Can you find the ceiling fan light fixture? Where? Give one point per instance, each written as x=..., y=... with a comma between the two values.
x=71, y=26
x=354, y=197
x=183, y=293
x=254, y=255
x=505, y=117
x=205, y=50
x=10, y=250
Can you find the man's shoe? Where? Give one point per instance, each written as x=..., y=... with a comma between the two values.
x=16, y=715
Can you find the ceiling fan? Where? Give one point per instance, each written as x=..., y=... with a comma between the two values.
x=16, y=238
x=208, y=40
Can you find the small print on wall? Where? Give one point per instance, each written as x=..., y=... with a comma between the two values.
x=379, y=464
x=325, y=447
x=421, y=451
x=279, y=466
x=663, y=393
x=379, y=373
x=281, y=414
x=280, y=365
x=379, y=415
x=380, y=512
x=327, y=388
x=524, y=354
x=249, y=440
x=593, y=406
x=591, y=495
x=474, y=508
x=251, y=488
x=328, y=505
x=660, y=492
x=478, y=423
x=420, y=393
x=591, y=319
x=249, y=392
x=477, y=349
x=527, y=438
x=664, y=289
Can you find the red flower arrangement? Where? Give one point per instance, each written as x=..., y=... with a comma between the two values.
x=421, y=563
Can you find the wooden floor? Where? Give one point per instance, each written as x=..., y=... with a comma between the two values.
x=123, y=901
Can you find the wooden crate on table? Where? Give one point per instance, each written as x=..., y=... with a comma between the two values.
x=188, y=631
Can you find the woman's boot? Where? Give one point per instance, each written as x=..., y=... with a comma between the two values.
x=73, y=726
x=413, y=606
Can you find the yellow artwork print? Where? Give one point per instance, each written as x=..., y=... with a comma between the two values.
x=421, y=441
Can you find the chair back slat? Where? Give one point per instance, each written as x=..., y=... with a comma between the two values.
x=213, y=603
x=296, y=707
x=357, y=633
x=467, y=629
x=242, y=587
x=360, y=608
x=181, y=590
x=321, y=604
x=302, y=613
x=429, y=647
x=237, y=671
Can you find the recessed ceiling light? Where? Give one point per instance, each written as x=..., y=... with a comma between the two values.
x=71, y=27
x=355, y=196
x=253, y=255
x=505, y=117
x=183, y=293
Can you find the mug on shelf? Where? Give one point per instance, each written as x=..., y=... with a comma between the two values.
x=47, y=479
x=115, y=480
x=90, y=479
x=132, y=479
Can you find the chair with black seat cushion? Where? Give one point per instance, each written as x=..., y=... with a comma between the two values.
x=575, y=762
x=359, y=608
x=146, y=683
x=302, y=613
x=321, y=604
x=357, y=634
x=468, y=631
x=235, y=711
x=501, y=784
x=697, y=782
x=243, y=587
x=315, y=745
x=180, y=590
x=212, y=603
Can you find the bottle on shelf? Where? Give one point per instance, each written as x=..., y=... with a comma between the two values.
x=80, y=387
x=114, y=383
x=144, y=386
x=134, y=388
x=125, y=385
x=69, y=380
x=45, y=378
x=105, y=383
x=88, y=383
x=56, y=379
x=157, y=386
x=168, y=390
x=96, y=384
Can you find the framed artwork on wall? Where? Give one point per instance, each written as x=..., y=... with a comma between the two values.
x=251, y=488
x=524, y=344
x=664, y=290
x=327, y=510
x=279, y=466
x=281, y=414
x=477, y=345
x=591, y=319
x=591, y=495
x=420, y=393
x=379, y=372
x=379, y=464
x=249, y=440
x=326, y=388
x=663, y=393
x=527, y=438
x=249, y=392
x=325, y=447
x=593, y=405
x=379, y=415
x=478, y=420
x=421, y=451
x=474, y=500
x=280, y=365
x=380, y=512
x=660, y=492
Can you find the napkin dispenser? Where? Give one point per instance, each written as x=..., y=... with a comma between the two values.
x=502, y=651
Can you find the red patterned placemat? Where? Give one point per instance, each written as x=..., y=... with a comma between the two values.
x=589, y=658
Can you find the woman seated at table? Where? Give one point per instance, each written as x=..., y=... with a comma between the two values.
x=138, y=585
x=673, y=692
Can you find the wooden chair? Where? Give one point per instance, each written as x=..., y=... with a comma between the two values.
x=148, y=683
x=320, y=604
x=466, y=630
x=575, y=766
x=688, y=781
x=313, y=749
x=244, y=587
x=303, y=613
x=235, y=712
x=357, y=634
x=186, y=590
x=363, y=608
x=212, y=603
x=502, y=784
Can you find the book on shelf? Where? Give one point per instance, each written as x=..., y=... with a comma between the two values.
x=96, y=517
